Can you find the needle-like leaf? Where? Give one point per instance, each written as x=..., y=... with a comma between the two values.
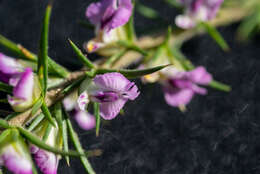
x=97, y=115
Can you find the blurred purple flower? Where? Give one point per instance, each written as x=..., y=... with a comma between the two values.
x=14, y=159
x=197, y=10
x=112, y=91
x=46, y=161
x=181, y=87
x=85, y=120
x=107, y=15
x=10, y=69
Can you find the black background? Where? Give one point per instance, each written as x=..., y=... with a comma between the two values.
x=220, y=133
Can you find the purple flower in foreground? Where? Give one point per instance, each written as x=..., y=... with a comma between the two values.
x=23, y=91
x=15, y=159
x=181, y=87
x=107, y=16
x=46, y=161
x=112, y=91
x=197, y=10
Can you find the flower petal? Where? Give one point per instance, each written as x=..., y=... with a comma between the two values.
x=120, y=18
x=184, y=21
x=15, y=162
x=177, y=97
x=24, y=88
x=96, y=11
x=9, y=65
x=85, y=120
x=112, y=82
x=110, y=110
x=83, y=100
x=200, y=76
x=46, y=161
x=70, y=101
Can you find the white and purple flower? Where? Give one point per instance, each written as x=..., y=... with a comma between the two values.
x=47, y=161
x=197, y=10
x=26, y=87
x=112, y=91
x=14, y=155
x=180, y=87
x=84, y=119
x=108, y=16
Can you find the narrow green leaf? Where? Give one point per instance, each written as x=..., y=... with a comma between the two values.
x=36, y=122
x=47, y=133
x=97, y=115
x=6, y=88
x=47, y=114
x=23, y=53
x=4, y=124
x=43, y=51
x=16, y=49
x=130, y=29
x=3, y=135
x=81, y=56
x=213, y=32
x=36, y=106
x=133, y=73
x=36, y=141
x=63, y=128
x=79, y=148
x=249, y=26
x=147, y=11
x=65, y=140
x=220, y=86
x=73, y=86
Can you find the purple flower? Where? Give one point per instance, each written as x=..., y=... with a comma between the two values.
x=181, y=87
x=197, y=10
x=112, y=91
x=46, y=161
x=14, y=158
x=107, y=15
x=85, y=120
x=9, y=69
x=23, y=91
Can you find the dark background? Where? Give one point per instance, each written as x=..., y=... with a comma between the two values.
x=219, y=134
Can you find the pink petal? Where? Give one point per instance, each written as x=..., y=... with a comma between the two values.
x=177, y=97
x=15, y=162
x=112, y=82
x=85, y=120
x=120, y=18
x=24, y=88
x=110, y=110
x=200, y=76
x=9, y=65
x=184, y=21
x=96, y=11
x=46, y=161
